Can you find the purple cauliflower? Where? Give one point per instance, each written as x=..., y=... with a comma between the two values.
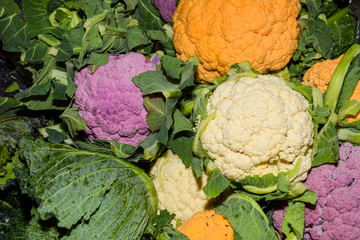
x=110, y=103
x=166, y=8
x=336, y=214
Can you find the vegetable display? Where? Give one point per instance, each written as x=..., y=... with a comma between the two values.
x=179, y=119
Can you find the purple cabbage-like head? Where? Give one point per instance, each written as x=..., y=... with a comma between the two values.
x=109, y=101
x=166, y=8
x=336, y=214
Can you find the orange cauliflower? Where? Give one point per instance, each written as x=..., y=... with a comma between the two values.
x=319, y=76
x=223, y=32
x=207, y=225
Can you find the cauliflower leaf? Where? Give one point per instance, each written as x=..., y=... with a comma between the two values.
x=89, y=192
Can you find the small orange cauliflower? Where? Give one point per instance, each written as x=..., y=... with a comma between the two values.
x=319, y=76
x=223, y=32
x=207, y=225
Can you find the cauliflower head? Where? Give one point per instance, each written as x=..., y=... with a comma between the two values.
x=179, y=190
x=207, y=225
x=319, y=76
x=223, y=32
x=336, y=214
x=261, y=126
x=110, y=103
x=166, y=8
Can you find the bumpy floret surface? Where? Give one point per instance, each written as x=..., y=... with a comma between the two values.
x=109, y=101
x=166, y=8
x=261, y=126
x=179, y=191
x=223, y=32
x=336, y=215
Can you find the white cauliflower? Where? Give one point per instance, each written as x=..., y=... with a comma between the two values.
x=261, y=126
x=178, y=189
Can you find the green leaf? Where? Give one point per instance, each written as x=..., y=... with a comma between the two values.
x=260, y=184
x=198, y=166
x=37, y=19
x=122, y=150
x=12, y=88
x=98, y=59
x=294, y=219
x=216, y=184
x=36, y=231
x=181, y=123
x=91, y=194
x=148, y=16
x=182, y=147
x=135, y=37
x=36, y=53
x=156, y=112
x=247, y=218
x=349, y=84
x=13, y=31
x=172, y=66
x=327, y=145
x=154, y=82
x=197, y=146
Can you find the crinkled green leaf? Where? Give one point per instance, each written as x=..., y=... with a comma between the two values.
x=73, y=120
x=247, y=218
x=95, y=195
x=136, y=37
x=182, y=147
x=172, y=66
x=37, y=19
x=294, y=219
x=13, y=31
x=156, y=112
x=216, y=184
x=181, y=123
x=148, y=16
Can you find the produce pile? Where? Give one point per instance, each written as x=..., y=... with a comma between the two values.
x=179, y=119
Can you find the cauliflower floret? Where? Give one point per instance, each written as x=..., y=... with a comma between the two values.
x=110, y=103
x=336, y=214
x=261, y=126
x=179, y=190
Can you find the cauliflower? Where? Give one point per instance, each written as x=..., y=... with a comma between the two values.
x=261, y=126
x=207, y=225
x=110, y=103
x=336, y=214
x=179, y=191
x=166, y=8
x=223, y=32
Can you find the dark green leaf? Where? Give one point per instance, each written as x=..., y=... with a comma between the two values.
x=181, y=123
x=148, y=16
x=73, y=120
x=197, y=166
x=327, y=145
x=13, y=31
x=155, y=82
x=350, y=81
x=98, y=59
x=247, y=218
x=182, y=146
x=37, y=19
x=36, y=52
x=156, y=112
x=135, y=37
x=172, y=66
x=89, y=192
x=216, y=184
